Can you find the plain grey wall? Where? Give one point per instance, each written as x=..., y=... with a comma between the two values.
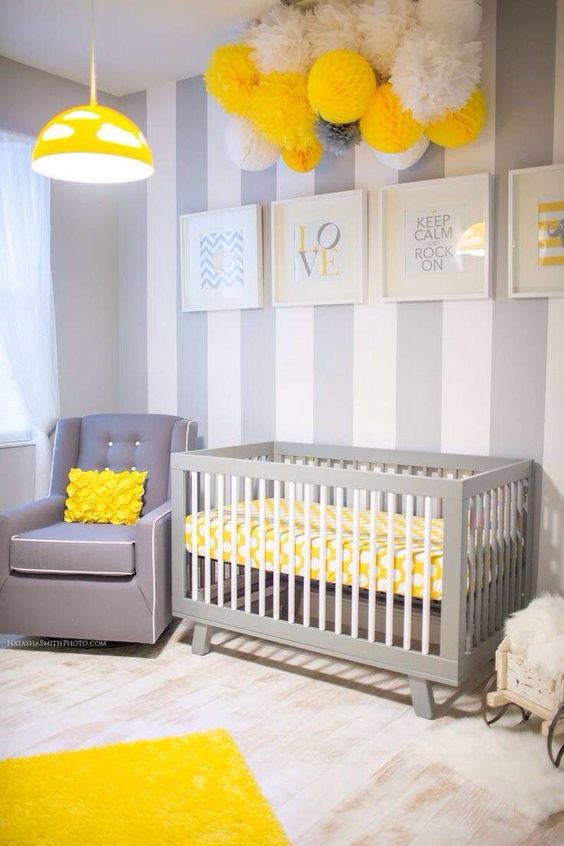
x=84, y=242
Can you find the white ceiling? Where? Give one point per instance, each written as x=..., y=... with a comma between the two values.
x=139, y=42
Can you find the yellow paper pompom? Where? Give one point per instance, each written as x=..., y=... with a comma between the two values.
x=461, y=127
x=386, y=125
x=340, y=85
x=280, y=109
x=303, y=159
x=231, y=77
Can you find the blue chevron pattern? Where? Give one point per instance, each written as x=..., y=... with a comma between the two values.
x=221, y=259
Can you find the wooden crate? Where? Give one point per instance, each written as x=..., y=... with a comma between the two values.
x=523, y=685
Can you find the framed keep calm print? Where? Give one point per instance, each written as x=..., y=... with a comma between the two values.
x=536, y=232
x=319, y=249
x=435, y=239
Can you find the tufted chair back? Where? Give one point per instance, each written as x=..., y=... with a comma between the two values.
x=122, y=442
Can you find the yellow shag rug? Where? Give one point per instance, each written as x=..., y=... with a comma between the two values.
x=179, y=791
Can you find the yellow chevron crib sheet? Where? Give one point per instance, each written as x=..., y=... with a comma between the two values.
x=381, y=557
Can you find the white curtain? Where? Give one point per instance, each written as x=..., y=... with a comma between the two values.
x=27, y=313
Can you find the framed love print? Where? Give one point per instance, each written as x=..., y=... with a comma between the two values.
x=319, y=249
x=436, y=239
x=536, y=232
x=221, y=259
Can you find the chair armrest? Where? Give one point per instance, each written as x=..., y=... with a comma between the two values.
x=153, y=558
x=34, y=515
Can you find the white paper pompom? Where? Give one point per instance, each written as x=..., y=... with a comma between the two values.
x=401, y=161
x=280, y=41
x=333, y=26
x=381, y=24
x=457, y=20
x=246, y=147
x=431, y=75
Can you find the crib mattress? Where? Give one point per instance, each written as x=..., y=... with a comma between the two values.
x=218, y=545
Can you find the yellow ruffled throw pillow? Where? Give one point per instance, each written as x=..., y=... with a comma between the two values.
x=105, y=496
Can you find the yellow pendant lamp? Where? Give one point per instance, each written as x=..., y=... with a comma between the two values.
x=92, y=143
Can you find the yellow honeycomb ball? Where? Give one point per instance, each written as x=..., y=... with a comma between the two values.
x=461, y=127
x=386, y=125
x=231, y=76
x=303, y=159
x=340, y=85
x=280, y=109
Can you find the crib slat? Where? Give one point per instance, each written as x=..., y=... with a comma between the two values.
x=307, y=554
x=506, y=549
x=291, y=551
x=339, y=561
x=492, y=540
x=487, y=554
x=247, y=535
x=262, y=548
x=500, y=553
x=479, y=568
x=207, y=557
x=194, y=503
x=234, y=550
x=355, y=562
x=408, y=566
x=426, y=621
x=372, y=570
x=471, y=574
x=220, y=570
x=513, y=545
x=520, y=499
x=392, y=504
x=276, y=552
x=322, y=554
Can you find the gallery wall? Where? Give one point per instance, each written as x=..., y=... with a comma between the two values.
x=479, y=377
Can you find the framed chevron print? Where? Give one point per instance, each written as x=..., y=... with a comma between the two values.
x=221, y=259
x=536, y=232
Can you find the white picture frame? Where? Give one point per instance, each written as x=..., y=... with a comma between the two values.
x=221, y=259
x=536, y=263
x=319, y=249
x=436, y=239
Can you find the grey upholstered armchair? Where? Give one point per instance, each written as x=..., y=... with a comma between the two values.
x=95, y=581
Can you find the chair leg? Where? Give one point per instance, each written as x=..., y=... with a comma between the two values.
x=422, y=697
x=201, y=639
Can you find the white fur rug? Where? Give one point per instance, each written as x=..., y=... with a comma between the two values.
x=509, y=763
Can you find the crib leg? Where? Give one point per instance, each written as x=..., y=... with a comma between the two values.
x=422, y=697
x=201, y=639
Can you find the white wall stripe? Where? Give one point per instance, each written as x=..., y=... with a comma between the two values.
x=224, y=327
x=162, y=387
x=375, y=326
x=294, y=339
x=468, y=326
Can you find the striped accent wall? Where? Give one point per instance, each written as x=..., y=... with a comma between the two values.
x=482, y=377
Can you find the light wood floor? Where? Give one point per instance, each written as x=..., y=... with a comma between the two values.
x=329, y=742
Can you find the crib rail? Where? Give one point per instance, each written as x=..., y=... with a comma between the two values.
x=316, y=538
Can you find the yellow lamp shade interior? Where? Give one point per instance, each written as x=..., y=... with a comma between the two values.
x=92, y=143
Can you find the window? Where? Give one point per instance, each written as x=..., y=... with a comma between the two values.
x=14, y=425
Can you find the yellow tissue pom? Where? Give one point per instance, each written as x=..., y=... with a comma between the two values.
x=386, y=125
x=303, y=159
x=280, y=109
x=461, y=127
x=231, y=77
x=340, y=85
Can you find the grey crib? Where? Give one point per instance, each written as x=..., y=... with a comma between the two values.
x=259, y=498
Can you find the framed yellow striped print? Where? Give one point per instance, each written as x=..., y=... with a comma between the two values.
x=536, y=232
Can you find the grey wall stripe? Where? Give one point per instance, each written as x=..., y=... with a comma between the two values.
x=133, y=278
x=524, y=138
x=524, y=111
x=333, y=333
x=191, y=186
x=258, y=327
x=420, y=348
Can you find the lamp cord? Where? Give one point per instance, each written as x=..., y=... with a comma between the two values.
x=92, y=56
